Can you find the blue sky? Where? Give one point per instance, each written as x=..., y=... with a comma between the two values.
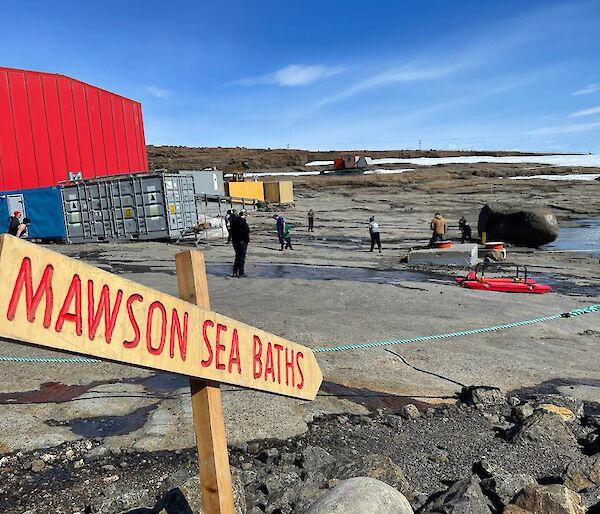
x=375, y=74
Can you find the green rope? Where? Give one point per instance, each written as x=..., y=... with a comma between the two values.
x=495, y=328
x=571, y=314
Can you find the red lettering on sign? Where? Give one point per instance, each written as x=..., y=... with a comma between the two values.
x=300, y=355
x=289, y=366
x=256, y=356
x=278, y=348
x=208, y=323
x=219, y=347
x=110, y=318
x=134, y=324
x=73, y=293
x=269, y=362
x=181, y=336
x=234, y=355
x=44, y=288
x=163, y=327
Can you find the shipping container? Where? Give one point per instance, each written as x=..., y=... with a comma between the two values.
x=42, y=206
x=248, y=190
x=52, y=125
x=279, y=192
x=143, y=206
x=207, y=182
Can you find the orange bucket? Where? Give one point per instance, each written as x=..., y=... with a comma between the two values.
x=442, y=244
x=496, y=245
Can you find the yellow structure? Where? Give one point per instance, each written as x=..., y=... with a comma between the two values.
x=247, y=190
x=279, y=192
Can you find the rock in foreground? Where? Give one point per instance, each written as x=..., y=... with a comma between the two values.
x=361, y=495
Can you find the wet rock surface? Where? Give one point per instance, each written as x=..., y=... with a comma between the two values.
x=449, y=459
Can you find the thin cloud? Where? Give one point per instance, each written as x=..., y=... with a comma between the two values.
x=292, y=75
x=589, y=89
x=564, y=129
x=585, y=112
x=159, y=92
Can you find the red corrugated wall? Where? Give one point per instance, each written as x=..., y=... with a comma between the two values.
x=52, y=124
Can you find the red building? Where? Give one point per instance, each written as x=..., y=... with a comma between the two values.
x=51, y=125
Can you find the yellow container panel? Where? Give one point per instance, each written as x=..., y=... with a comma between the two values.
x=279, y=192
x=249, y=190
x=286, y=192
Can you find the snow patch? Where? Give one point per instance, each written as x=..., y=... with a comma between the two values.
x=587, y=161
x=572, y=176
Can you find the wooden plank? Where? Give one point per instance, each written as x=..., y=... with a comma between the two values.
x=51, y=300
x=207, y=410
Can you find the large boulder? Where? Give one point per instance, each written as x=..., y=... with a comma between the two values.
x=517, y=225
x=359, y=496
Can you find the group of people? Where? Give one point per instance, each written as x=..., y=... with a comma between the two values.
x=239, y=234
x=438, y=226
x=16, y=226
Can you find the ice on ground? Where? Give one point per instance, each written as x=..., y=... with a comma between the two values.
x=383, y=171
x=570, y=176
x=586, y=161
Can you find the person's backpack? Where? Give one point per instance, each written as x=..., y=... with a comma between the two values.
x=13, y=225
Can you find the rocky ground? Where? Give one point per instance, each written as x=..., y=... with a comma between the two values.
x=110, y=438
x=476, y=456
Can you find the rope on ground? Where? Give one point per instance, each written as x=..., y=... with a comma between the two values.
x=362, y=346
x=571, y=314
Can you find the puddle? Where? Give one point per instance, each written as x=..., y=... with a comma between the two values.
x=581, y=237
x=306, y=272
x=159, y=385
x=106, y=426
x=372, y=400
x=49, y=392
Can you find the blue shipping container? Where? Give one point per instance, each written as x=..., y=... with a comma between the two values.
x=42, y=206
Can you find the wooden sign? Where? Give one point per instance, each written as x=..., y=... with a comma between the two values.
x=51, y=300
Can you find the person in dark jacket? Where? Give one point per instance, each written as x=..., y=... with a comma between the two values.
x=311, y=220
x=280, y=226
x=240, y=237
x=465, y=230
x=13, y=223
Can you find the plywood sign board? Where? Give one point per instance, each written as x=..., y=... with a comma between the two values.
x=51, y=300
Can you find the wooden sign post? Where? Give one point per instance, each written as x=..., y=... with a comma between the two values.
x=207, y=409
x=50, y=300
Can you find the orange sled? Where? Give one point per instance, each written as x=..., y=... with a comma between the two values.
x=520, y=283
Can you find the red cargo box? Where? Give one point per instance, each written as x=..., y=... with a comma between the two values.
x=52, y=124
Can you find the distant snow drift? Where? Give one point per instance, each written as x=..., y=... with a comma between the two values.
x=586, y=161
x=572, y=176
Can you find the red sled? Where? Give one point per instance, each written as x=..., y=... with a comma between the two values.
x=520, y=283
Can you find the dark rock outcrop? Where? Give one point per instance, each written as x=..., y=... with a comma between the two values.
x=521, y=226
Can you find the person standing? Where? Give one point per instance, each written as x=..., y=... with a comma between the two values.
x=374, y=233
x=465, y=230
x=13, y=223
x=240, y=236
x=228, y=225
x=311, y=220
x=287, y=236
x=22, y=229
x=438, y=226
x=280, y=226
